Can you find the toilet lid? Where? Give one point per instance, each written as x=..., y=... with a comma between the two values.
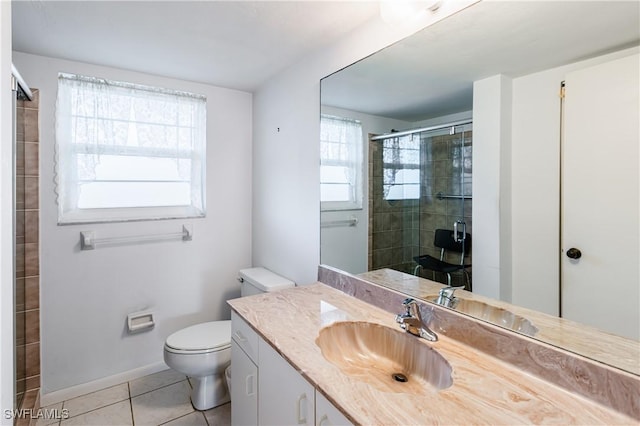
x=205, y=336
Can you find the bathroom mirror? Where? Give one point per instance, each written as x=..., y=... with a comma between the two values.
x=427, y=82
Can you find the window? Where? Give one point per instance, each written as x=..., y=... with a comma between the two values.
x=128, y=152
x=341, y=155
x=401, y=167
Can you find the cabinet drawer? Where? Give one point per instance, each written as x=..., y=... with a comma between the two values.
x=244, y=336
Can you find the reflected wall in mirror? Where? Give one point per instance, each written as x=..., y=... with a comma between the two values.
x=501, y=66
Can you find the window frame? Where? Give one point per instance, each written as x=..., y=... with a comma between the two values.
x=395, y=167
x=67, y=152
x=356, y=200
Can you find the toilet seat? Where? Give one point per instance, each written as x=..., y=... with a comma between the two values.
x=201, y=338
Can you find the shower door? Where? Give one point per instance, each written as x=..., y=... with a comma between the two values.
x=446, y=171
x=600, y=195
x=418, y=182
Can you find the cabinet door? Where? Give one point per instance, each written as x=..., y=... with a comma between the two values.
x=286, y=398
x=244, y=388
x=327, y=414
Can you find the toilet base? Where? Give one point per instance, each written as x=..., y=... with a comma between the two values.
x=209, y=392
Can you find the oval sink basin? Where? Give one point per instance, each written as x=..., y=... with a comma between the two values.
x=495, y=315
x=391, y=360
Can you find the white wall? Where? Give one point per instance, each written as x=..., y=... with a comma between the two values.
x=86, y=295
x=346, y=247
x=491, y=191
x=445, y=119
x=535, y=177
x=6, y=218
x=286, y=193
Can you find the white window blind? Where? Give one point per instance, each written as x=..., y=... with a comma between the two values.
x=341, y=152
x=128, y=152
x=401, y=167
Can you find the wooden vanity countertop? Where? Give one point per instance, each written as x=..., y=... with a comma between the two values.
x=485, y=390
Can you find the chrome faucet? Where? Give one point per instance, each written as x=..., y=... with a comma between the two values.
x=446, y=297
x=411, y=321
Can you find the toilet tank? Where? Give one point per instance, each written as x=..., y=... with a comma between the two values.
x=261, y=280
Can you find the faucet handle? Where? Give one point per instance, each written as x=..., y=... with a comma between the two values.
x=449, y=291
x=407, y=313
x=412, y=323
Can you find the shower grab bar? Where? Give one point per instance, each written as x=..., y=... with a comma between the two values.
x=459, y=238
x=88, y=241
x=345, y=222
x=441, y=196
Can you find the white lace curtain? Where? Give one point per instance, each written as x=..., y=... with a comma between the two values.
x=341, y=155
x=108, y=133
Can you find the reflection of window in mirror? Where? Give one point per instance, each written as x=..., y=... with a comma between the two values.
x=341, y=155
x=401, y=167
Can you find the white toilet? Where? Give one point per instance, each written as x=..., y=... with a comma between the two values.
x=203, y=351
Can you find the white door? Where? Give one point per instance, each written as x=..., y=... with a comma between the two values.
x=600, y=197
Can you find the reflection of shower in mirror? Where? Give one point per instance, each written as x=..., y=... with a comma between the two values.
x=419, y=182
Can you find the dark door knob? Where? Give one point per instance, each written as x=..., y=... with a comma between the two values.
x=574, y=253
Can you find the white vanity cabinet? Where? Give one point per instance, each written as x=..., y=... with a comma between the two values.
x=244, y=372
x=267, y=390
x=286, y=398
x=327, y=414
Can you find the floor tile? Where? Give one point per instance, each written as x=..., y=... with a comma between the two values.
x=46, y=422
x=194, y=419
x=91, y=401
x=50, y=410
x=162, y=405
x=116, y=414
x=155, y=381
x=219, y=416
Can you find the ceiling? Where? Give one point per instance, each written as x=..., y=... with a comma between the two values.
x=234, y=44
x=241, y=44
x=431, y=73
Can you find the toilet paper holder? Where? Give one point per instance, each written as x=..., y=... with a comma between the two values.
x=140, y=321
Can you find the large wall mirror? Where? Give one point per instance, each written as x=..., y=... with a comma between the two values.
x=510, y=128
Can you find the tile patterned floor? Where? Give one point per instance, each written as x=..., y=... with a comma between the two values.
x=158, y=399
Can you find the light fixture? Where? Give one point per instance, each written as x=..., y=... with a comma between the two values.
x=397, y=11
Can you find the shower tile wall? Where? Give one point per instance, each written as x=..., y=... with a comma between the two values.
x=402, y=229
x=27, y=253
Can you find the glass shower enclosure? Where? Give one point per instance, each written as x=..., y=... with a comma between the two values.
x=419, y=181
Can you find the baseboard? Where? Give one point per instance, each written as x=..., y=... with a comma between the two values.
x=55, y=397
